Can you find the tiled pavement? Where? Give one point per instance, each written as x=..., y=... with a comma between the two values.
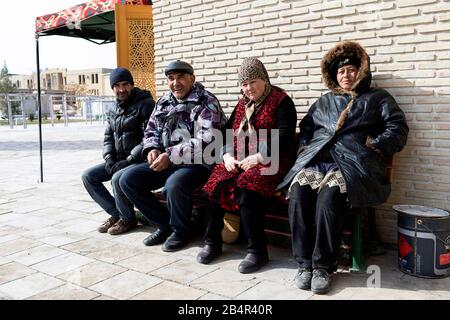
x=50, y=249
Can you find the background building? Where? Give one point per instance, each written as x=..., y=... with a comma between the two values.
x=93, y=81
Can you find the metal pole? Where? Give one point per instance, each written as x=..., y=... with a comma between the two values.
x=103, y=111
x=39, y=106
x=90, y=107
x=51, y=110
x=64, y=103
x=22, y=104
x=10, y=116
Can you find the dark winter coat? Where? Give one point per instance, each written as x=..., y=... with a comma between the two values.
x=126, y=124
x=361, y=141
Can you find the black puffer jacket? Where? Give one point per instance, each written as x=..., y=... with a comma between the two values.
x=126, y=124
x=374, y=129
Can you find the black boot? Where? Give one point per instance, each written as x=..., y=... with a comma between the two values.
x=209, y=253
x=253, y=262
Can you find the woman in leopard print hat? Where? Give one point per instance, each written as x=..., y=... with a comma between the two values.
x=242, y=182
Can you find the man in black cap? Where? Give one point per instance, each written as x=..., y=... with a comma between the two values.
x=122, y=151
x=174, y=162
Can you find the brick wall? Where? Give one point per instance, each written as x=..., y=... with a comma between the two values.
x=409, y=45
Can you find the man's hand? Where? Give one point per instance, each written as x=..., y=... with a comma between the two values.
x=119, y=165
x=109, y=163
x=251, y=161
x=161, y=163
x=152, y=155
x=230, y=163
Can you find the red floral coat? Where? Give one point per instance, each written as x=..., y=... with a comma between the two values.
x=252, y=179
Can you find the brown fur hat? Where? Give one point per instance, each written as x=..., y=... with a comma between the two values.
x=353, y=51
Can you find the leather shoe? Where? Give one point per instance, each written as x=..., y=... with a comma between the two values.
x=253, y=262
x=303, y=278
x=174, y=242
x=157, y=237
x=209, y=253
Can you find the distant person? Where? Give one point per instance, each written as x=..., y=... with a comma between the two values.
x=122, y=151
x=172, y=160
x=345, y=140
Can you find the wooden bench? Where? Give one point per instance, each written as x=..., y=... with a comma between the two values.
x=277, y=221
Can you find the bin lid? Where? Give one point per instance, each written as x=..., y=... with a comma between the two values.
x=422, y=211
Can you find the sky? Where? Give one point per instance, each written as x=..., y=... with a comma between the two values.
x=18, y=45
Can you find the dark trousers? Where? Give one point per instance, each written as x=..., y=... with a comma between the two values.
x=316, y=221
x=178, y=182
x=251, y=210
x=117, y=205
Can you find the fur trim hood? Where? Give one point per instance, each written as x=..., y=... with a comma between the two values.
x=347, y=49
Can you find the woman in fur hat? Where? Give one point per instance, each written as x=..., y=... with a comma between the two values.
x=241, y=183
x=345, y=139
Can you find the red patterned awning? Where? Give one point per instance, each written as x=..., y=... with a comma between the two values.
x=74, y=21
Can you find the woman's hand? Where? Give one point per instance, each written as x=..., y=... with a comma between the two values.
x=231, y=164
x=251, y=161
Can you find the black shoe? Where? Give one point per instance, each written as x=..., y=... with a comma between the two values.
x=321, y=281
x=157, y=237
x=253, y=262
x=303, y=278
x=175, y=242
x=209, y=253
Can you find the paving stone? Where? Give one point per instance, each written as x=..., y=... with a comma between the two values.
x=7, y=230
x=37, y=254
x=115, y=253
x=134, y=237
x=146, y=262
x=59, y=214
x=170, y=291
x=213, y=296
x=269, y=290
x=225, y=282
x=29, y=286
x=4, y=261
x=61, y=264
x=9, y=237
x=335, y=294
x=103, y=297
x=87, y=246
x=40, y=232
x=17, y=245
x=125, y=285
x=387, y=294
x=183, y=271
x=91, y=273
x=85, y=226
x=31, y=222
x=278, y=272
x=66, y=292
x=62, y=239
x=12, y=271
x=5, y=211
x=3, y=201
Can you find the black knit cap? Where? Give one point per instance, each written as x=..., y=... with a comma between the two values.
x=120, y=74
x=179, y=66
x=340, y=62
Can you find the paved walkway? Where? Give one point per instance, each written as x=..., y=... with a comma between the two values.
x=50, y=249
